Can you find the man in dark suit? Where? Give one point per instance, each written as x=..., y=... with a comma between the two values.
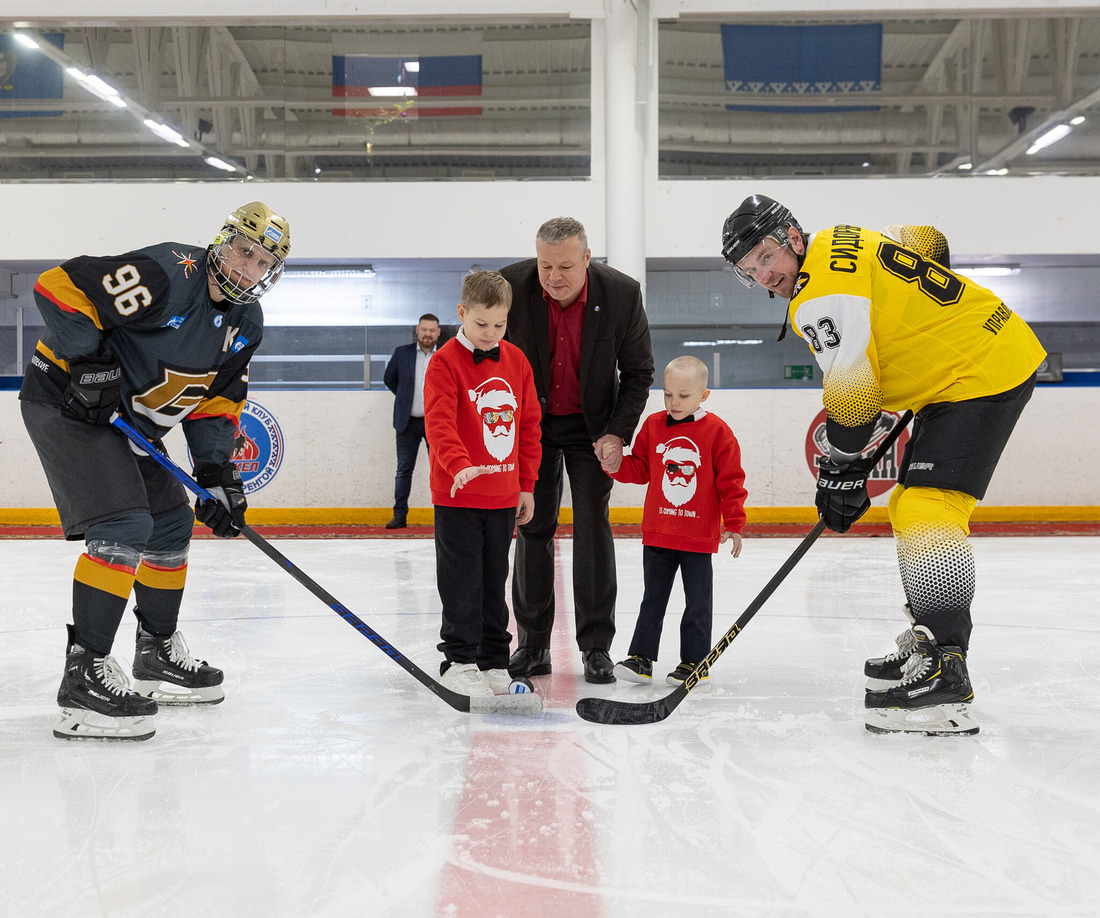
x=584, y=330
x=404, y=377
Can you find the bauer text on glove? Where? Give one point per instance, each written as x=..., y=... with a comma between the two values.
x=842, y=492
x=94, y=390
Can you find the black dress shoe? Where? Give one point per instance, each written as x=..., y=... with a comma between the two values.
x=398, y=522
x=529, y=661
x=598, y=666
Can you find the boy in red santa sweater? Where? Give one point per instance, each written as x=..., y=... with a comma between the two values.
x=481, y=419
x=695, y=502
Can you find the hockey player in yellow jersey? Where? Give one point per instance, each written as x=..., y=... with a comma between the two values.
x=892, y=327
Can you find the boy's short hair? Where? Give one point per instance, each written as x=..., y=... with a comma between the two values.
x=428, y=317
x=689, y=365
x=486, y=288
x=558, y=229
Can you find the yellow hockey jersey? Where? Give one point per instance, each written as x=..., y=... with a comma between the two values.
x=890, y=328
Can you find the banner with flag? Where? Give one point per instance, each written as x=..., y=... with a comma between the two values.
x=27, y=74
x=802, y=62
x=400, y=84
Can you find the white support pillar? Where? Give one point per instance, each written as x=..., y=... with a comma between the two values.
x=624, y=166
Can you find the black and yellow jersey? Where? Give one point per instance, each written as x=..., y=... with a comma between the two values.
x=890, y=328
x=183, y=357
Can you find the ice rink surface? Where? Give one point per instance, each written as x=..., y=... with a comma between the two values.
x=330, y=783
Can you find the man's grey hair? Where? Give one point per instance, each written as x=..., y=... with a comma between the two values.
x=558, y=229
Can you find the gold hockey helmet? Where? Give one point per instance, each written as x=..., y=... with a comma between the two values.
x=248, y=254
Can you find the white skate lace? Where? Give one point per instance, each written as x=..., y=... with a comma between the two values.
x=180, y=654
x=112, y=676
x=915, y=668
x=906, y=642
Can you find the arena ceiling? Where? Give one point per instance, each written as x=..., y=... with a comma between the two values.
x=955, y=95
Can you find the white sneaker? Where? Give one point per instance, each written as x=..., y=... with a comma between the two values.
x=465, y=678
x=498, y=680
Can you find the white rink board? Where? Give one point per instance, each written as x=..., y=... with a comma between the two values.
x=339, y=451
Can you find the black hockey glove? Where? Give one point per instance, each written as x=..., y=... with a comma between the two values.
x=95, y=388
x=225, y=514
x=842, y=492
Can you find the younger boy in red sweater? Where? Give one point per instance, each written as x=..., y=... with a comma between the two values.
x=481, y=419
x=695, y=501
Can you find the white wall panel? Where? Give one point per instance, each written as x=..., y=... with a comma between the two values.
x=483, y=220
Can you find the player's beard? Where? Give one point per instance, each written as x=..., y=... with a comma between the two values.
x=500, y=448
x=678, y=494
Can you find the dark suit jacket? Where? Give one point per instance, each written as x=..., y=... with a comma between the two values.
x=400, y=379
x=616, y=365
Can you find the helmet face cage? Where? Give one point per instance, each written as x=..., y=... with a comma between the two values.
x=756, y=220
x=252, y=230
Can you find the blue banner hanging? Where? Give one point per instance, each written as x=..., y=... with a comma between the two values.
x=802, y=62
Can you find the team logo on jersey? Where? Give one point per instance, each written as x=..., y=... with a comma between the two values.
x=680, y=480
x=175, y=322
x=258, y=449
x=496, y=403
x=186, y=261
x=885, y=475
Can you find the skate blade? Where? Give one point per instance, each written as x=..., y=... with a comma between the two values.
x=171, y=694
x=935, y=720
x=79, y=724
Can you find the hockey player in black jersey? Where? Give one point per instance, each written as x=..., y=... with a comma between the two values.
x=162, y=335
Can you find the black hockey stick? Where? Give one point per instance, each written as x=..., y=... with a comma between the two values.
x=613, y=711
x=527, y=703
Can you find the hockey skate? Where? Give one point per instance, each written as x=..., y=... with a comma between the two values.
x=884, y=672
x=96, y=701
x=932, y=698
x=165, y=671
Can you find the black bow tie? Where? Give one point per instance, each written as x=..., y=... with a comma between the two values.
x=670, y=421
x=491, y=354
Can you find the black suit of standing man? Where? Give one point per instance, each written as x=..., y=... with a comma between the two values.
x=404, y=377
x=593, y=370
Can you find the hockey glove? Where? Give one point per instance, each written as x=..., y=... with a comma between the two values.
x=842, y=492
x=94, y=391
x=225, y=514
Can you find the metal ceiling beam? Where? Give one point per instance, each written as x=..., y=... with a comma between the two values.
x=1023, y=143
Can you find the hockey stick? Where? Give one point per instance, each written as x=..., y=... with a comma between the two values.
x=612, y=711
x=527, y=703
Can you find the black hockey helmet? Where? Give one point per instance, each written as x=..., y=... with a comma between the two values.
x=757, y=218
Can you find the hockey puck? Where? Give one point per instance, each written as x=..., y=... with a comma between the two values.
x=520, y=686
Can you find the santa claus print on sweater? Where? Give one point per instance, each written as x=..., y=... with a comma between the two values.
x=696, y=486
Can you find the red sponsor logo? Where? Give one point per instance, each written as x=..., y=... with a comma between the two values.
x=885, y=475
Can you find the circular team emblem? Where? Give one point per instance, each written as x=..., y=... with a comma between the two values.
x=885, y=475
x=258, y=449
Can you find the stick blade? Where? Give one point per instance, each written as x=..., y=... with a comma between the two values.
x=523, y=705
x=611, y=711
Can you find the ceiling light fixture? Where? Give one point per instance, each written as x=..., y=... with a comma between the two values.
x=220, y=164
x=165, y=133
x=330, y=272
x=96, y=86
x=1055, y=134
x=26, y=41
x=988, y=270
